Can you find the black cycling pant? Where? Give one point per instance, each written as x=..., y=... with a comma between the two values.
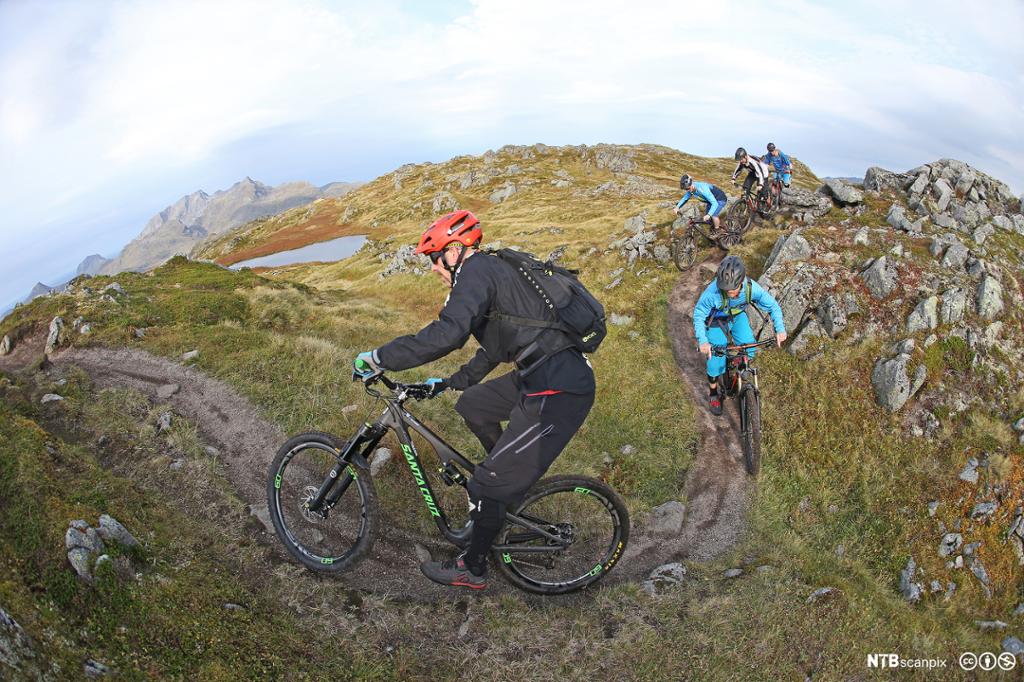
x=751, y=180
x=539, y=428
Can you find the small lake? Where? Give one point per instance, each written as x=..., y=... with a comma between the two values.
x=323, y=252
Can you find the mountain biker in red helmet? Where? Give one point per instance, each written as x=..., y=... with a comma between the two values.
x=544, y=400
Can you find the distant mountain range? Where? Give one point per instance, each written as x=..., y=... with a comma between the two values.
x=183, y=224
x=180, y=226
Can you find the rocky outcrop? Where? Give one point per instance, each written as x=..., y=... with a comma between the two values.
x=804, y=201
x=954, y=303
x=880, y=277
x=443, y=202
x=990, y=298
x=502, y=193
x=53, y=338
x=897, y=218
x=614, y=159
x=843, y=193
x=890, y=379
x=86, y=546
x=788, y=247
x=639, y=242
x=925, y=316
x=878, y=179
x=405, y=260
x=19, y=659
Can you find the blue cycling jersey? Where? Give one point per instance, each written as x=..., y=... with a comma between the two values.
x=704, y=191
x=780, y=163
x=711, y=302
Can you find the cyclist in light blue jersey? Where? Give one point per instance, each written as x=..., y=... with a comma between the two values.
x=721, y=310
x=710, y=194
x=776, y=159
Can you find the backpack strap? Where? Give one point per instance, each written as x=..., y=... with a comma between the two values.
x=527, y=321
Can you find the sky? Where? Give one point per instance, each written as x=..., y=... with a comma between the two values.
x=111, y=111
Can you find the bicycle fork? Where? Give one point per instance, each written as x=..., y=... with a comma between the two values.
x=341, y=475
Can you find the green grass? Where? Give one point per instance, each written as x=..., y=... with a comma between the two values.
x=841, y=501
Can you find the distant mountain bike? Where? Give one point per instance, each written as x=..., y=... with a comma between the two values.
x=740, y=381
x=566, y=535
x=740, y=216
x=685, y=244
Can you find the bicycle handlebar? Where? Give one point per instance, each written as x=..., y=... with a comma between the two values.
x=737, y=349
x=414, y=391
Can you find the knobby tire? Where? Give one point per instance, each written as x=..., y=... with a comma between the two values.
x=333, y=543
x=583, y=508
x=684, y=251
x=750, y=425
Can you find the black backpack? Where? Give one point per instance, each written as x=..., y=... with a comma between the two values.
x=577, y=313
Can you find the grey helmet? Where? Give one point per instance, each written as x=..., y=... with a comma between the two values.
x=740, y=153
x=685, y=182
x=771, y=146
x=731, y=273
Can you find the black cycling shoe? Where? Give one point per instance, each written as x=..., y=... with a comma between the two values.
x=715, y=402
x=454, y=573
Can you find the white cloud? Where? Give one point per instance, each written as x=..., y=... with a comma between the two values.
x=94, y=97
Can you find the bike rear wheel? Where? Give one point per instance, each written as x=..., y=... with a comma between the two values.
x=750, y=424
x=329, y=540
x=593, y=526
x=684, y=251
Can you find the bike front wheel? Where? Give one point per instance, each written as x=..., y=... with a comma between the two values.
x=572, y=531
x=740, y=217
x=684, y=251
x=342, y=530
x=750, y=423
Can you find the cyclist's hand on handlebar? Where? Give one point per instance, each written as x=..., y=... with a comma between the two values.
x=364, y=367
x=780, y=338
x=705, y=350
x=436, y=386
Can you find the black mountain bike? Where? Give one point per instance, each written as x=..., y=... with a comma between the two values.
x=740, y=381
x=740, y=216
x=566, y=535
x=684, y=245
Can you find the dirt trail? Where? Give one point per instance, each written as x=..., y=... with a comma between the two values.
x=716, y=496
x=716, y=492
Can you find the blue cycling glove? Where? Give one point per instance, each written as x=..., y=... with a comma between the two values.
x=437, y=386
x=364, y=365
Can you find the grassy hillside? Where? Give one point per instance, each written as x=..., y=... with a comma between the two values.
x=841, y=502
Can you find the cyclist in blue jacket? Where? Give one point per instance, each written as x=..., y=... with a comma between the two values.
x=710, y=194
x=721, y=311
x=780, y=162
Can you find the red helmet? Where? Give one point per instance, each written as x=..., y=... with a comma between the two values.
x=460, y=226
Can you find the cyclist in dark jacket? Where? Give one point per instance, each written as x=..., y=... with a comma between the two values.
x=545, y=400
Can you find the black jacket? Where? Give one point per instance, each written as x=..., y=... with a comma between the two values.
x=484, y=283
